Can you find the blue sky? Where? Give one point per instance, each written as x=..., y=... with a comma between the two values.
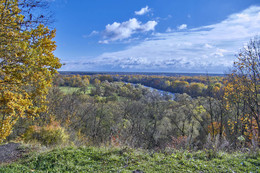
x=153, y=35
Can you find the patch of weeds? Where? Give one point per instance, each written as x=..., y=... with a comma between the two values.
x=91, y=159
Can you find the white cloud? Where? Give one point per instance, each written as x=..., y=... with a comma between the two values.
x=120, y=31
x=183, y=26
x=143, y=11
x=208, y=46
x=219, y=52
x=204, y=49
x=169, y=30
x=103, y=42
x=93, y=33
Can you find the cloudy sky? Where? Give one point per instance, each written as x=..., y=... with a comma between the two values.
x=153, y=35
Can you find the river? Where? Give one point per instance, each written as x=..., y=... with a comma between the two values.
x=161, y=92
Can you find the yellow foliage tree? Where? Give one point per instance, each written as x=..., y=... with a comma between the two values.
x=243, y=89
x=27, y=65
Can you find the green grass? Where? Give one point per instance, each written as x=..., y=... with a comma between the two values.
x=70, y=90
x=90, y=87
x=89, y=159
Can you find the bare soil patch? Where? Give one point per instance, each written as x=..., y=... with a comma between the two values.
x=10, y=152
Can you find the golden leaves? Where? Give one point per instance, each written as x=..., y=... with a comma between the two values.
x=27, y=65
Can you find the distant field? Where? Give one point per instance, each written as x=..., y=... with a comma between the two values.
x=88, y=159
x=70, y=90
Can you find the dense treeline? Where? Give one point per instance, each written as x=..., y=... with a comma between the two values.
x=194, y=86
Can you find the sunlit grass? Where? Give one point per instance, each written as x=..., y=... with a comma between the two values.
x=70, y=90
x=90, y=159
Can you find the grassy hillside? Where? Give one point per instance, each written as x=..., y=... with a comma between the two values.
x=88, y=159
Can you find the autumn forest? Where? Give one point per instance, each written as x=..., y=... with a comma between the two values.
x=40, y=106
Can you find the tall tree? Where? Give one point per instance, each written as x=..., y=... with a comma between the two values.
x=27, y=65
x=246, y=78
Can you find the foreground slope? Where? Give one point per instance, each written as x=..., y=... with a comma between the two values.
x=89, y=159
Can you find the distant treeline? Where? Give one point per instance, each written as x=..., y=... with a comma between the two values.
x=139, y=73
x=194, y=86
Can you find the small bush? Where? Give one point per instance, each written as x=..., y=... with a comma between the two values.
x=50, y=135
